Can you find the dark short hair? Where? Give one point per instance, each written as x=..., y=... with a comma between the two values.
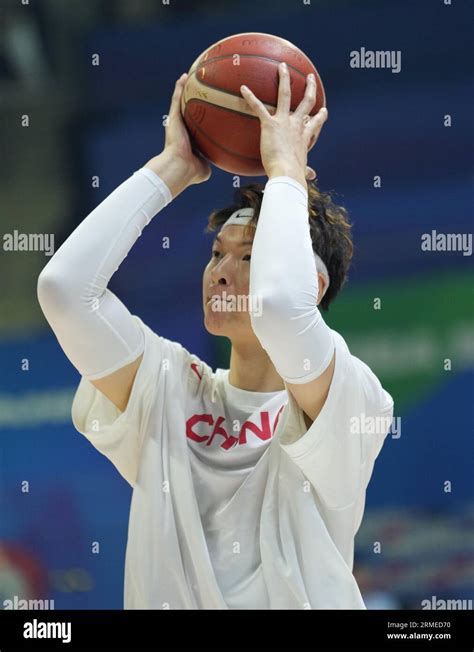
x=330, y=229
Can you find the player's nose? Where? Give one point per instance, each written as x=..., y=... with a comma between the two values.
x=221, y=273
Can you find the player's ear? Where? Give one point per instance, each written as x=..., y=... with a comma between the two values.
x=322, y=285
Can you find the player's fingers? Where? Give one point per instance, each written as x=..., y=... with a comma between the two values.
x=176, y=98
x=284, y=90
x=310, y=173
x=254, y=103
x=309, y=99
x=315, y=124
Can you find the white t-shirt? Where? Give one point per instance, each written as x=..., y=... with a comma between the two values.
x=236, y=504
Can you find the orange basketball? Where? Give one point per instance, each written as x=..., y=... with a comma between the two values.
x=218, y=119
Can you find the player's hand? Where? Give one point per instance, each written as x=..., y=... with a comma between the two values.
x=177, y=139
x=286, y=137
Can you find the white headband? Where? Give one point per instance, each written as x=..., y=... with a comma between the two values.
x=243, y=216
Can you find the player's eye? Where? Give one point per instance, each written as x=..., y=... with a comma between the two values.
x=216, y=254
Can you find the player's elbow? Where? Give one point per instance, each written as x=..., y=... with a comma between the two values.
x=53, y=291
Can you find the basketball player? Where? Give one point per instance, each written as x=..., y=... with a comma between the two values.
x=249, y=482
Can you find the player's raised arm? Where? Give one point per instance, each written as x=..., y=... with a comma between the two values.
x=94, y=328
x=285, y=272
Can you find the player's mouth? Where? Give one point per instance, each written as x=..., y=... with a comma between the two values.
x=215, y=297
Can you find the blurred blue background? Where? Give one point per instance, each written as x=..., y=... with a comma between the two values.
x=106, y=121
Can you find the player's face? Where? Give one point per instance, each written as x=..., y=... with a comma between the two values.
x=226, y=284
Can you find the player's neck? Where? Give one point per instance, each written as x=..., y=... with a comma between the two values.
x=252, y=370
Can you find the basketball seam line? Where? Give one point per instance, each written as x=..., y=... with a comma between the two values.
x=222, y=108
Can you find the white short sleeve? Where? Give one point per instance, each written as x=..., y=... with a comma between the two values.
x=338, y=452
x=120, y=435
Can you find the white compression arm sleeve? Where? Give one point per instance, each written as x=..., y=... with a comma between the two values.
x=94, y=328
x=283, y=274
